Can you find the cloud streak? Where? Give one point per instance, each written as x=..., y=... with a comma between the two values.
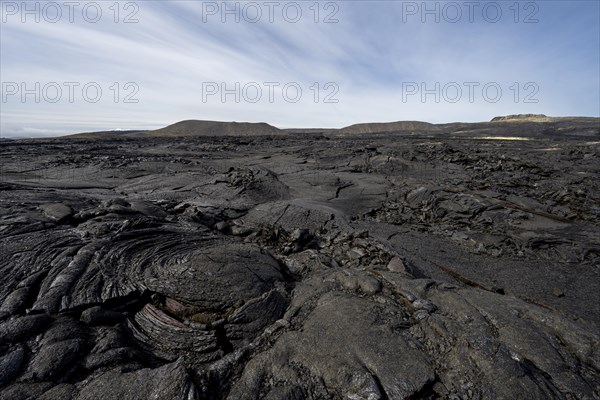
x=370, y=57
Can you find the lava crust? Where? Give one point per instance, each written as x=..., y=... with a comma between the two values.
x=333, y=265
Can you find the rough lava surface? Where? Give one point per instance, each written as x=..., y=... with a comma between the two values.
x=412, y=264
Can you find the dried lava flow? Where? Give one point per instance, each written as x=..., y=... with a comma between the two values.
x=268, y=268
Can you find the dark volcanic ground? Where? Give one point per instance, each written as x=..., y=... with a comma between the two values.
x=390, y=266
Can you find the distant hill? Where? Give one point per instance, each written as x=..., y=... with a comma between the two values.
x=215, y=128
x=191, y=128
x=523, y=118
x=530, y=125
x=389, y=127
x=511, y=125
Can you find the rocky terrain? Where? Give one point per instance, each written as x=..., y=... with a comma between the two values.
x=391, y=261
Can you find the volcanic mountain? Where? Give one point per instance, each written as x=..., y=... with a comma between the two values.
x=192, y=128
x=216, y=128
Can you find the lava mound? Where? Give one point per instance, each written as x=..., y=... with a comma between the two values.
x=217, y=278
x=207, y=296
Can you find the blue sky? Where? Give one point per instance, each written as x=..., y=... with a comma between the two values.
x=146, y=64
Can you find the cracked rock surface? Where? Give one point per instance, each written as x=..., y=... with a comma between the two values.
x=382, y=266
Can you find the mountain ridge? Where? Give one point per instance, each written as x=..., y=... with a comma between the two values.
x=529, y=123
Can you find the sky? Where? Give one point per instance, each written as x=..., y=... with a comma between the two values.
x=79, y=66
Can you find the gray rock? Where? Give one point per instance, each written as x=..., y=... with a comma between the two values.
x=299, y=235
x=25, y=391
x=170, y=381
x=53, y=360
x=21, y=328
x=396, y=264
x=100, y=316
x=57, y=211
x=63, y=391
x=422, y=304
x=10, y=364
x=64, y=328
x=237, y=230
x=222, y=226
x=16, y=301
x=112, y=357
x=357, y=368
